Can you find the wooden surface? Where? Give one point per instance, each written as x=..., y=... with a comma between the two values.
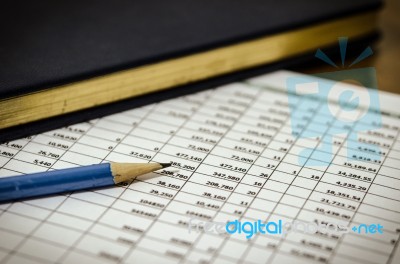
x=387, y=60
x=386, y=57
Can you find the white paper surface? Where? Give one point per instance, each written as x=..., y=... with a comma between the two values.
x=234, y=159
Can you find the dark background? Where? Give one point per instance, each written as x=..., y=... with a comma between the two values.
x=386, y=58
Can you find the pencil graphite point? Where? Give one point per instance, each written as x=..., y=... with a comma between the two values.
x=166, y=165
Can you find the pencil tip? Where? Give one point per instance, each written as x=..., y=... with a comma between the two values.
x=165, y=165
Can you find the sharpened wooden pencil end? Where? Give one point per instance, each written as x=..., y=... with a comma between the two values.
x=128, y=171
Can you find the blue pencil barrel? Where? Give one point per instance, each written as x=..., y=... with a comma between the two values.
x=57, y=181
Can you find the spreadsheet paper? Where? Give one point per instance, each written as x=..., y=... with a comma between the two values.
x=234, y=157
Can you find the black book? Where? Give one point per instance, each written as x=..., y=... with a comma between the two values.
x=66, y=61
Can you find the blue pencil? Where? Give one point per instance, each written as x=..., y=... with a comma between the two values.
x=67, y=180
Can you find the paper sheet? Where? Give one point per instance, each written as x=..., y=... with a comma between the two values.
x=234, y=158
